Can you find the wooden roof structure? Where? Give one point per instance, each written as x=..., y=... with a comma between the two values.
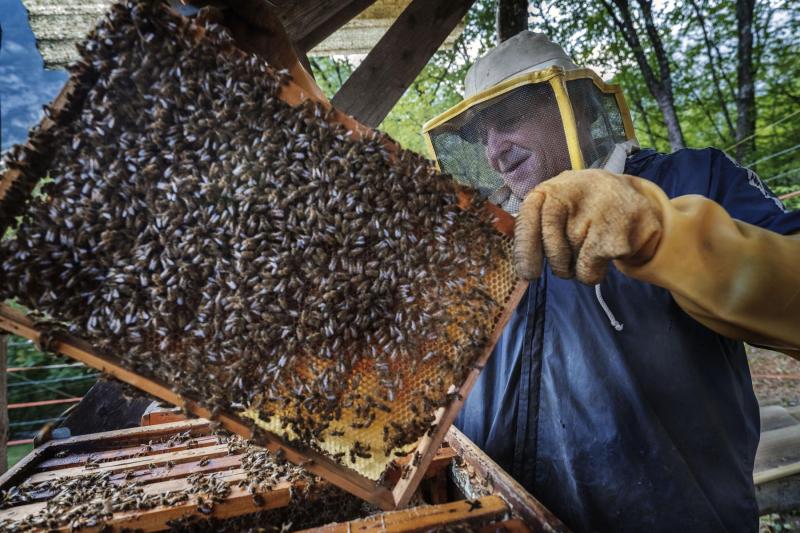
x=398, y=36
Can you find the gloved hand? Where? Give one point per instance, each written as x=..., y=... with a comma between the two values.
x=580, y=220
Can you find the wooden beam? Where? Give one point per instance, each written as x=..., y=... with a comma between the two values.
x=384, y=75
x=3, y=404
x=309, y=22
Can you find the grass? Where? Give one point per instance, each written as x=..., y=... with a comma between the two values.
x=15, y=453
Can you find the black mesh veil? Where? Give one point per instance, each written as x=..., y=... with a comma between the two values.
x=505, y=145
x=597, y=119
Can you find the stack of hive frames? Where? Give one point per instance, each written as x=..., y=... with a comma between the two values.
x=162, y=476
x=185, y=479
x=384, y=392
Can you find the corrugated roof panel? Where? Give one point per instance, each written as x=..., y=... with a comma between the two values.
x=59, y=24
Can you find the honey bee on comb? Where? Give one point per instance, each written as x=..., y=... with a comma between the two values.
x=258, y=257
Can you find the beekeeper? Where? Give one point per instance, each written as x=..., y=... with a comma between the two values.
x=619, y=393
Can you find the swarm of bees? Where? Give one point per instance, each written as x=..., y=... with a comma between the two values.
x=256, y=256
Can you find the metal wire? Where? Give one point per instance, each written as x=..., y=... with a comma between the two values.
x=36, y=422
x=43, y=367
x=52, y=380
x=762, y=128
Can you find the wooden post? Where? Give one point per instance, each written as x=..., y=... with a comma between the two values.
x=384, y=75
x=3, y=403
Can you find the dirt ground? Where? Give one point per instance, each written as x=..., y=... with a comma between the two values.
x=776, y=380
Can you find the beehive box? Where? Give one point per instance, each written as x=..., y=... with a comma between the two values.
x=180, y=476
x=210, y=235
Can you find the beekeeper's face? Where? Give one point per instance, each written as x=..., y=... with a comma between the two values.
x=526, y=146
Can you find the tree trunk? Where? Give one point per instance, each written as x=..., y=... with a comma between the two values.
x=674, y=132
x=745, y=81
x=716, y=69
x=658, y=83
x=512, y=18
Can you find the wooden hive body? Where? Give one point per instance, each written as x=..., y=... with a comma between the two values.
x=175, y=468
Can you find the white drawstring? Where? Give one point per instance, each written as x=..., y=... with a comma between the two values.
x=611, y=318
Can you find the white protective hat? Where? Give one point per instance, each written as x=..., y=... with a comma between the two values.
x=527, y=51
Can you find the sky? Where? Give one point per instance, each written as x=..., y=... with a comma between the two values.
x=25, y=86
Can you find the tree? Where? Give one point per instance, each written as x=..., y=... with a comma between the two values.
x=745, y=80
x=629, y=23
x=512, y=18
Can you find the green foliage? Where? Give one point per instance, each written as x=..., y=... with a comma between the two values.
x=15, y=453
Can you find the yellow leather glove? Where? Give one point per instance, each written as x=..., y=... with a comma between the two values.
x=581, y=220
x=737, y=279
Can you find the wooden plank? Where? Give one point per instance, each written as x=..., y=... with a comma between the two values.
x=514, y=525
x=76, y=459
x=257, y=28
x=133, y=463
x=161, y=487
x=536, y=515
x=794, y=411
x=158, y=474
x=779, y=495
x=775, y=417
x=445, y=417
x=309, y=22
x=777, y=448
x=423, y=518
x=387, y=71
x=161, y=417
x=238, y=502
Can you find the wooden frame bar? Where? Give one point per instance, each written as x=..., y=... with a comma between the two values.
x=424, y=518
x=445, y=417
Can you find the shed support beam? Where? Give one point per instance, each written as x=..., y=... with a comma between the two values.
x=309, y=22
x=393, y=64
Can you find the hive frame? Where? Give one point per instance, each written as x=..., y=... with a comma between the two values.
x=346, y=478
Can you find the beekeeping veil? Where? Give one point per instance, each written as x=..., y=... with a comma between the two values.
x=528, y=113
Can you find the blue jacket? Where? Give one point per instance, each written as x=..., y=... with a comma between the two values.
x=654, y=427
